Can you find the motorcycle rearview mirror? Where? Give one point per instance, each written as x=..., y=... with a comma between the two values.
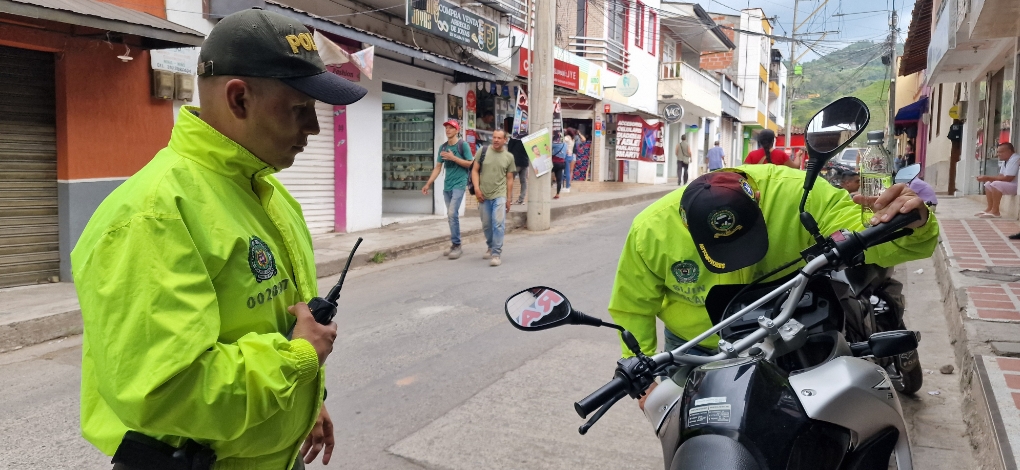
x=539, y=308
x=827, y=133
x=907, y=173
x=887, y=344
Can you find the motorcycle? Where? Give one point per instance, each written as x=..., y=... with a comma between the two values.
x=784, y=389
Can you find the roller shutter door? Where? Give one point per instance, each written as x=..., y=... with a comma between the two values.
x=311, y=178
x=29, y=232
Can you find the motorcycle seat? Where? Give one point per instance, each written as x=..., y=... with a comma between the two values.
x=713, y=452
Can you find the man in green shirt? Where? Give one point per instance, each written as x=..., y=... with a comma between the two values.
x=455, y=157
x=730, y=227
x=494, y=184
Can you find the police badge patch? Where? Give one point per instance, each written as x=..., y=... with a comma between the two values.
x=685, y=271
x=260, y=259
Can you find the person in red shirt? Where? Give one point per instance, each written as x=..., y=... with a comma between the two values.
x=766, y=139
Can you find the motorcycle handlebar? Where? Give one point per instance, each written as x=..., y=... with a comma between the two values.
x=880, y=233
x=601, y=396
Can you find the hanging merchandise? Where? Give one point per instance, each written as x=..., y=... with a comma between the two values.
x=364, y=60
x=520, y=128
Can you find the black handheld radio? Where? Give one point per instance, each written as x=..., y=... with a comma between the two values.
x=324, y=309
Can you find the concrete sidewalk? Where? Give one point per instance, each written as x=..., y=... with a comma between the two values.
x=978, y=269
x=34, y=314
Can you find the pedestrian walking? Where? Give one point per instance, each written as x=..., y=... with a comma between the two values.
x=1003, y=183
x=683, y=160
x=570, y=143
x=559, y=159
x=523, y=165
x=714, y=159
x=187, y=271
x=493, y=178
x=455, y=158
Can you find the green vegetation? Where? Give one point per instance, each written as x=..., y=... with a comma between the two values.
x=855, y=70
x=378, y=258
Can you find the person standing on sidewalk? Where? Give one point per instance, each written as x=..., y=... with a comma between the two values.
x=559, y=160
x=1003, y=183
x=455, y=158
x=714, y=159
x=516, y=147
x=683, y=160
x=569, y=142
x=767, y=154
x=494, y=184
x=187, y=271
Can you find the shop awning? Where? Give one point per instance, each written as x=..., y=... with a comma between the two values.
x=462, y=71
x=156, y=32
x=912, y=112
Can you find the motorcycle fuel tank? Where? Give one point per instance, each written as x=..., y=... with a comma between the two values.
x=751, y=401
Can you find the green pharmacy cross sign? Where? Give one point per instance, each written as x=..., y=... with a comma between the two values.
x=451, y=22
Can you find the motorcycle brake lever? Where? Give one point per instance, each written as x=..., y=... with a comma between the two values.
x=598, y=414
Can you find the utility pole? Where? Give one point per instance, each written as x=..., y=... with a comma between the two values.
x=789, y=80
x=890, y=142
x=540, y=105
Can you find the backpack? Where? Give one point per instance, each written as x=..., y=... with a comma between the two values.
x=481, y=160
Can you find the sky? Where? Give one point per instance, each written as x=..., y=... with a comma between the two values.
x=870, y=20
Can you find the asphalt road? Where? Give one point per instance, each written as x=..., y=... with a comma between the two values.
x=428, y=374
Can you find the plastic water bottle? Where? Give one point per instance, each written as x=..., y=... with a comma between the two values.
x=875, y=164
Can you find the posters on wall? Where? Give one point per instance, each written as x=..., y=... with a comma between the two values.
x=598, y=127
x=455, y=108
x=521, y=115
x=557, y=133
x=638, y=140
x=539, y=148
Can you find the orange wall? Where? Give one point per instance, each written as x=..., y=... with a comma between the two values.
x=152, y=7
x=107, y=123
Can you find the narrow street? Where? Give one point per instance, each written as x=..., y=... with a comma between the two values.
x=427, y=373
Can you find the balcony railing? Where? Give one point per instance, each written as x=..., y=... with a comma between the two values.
x=692, y=76
x=610, y=53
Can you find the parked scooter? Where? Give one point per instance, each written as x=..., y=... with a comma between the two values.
x=784, y=389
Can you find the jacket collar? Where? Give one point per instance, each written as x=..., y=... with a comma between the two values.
x=196, y=140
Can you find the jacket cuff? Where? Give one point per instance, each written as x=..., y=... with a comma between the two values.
x=307, y=360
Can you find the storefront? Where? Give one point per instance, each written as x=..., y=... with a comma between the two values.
x=77, y=120
x=408, y=139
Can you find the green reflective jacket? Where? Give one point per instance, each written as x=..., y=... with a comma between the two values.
x=184, y=275
x=661, y=275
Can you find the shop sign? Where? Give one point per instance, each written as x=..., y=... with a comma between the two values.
x=177, y=60
x=673, y=113
x=638, y=140
x=453, y=23
x=606, y=108
x=627, y=85
x=564, y=74
x=598, y=127
x=389, y=106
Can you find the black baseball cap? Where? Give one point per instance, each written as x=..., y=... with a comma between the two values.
x=258, y=43
x=720, y=210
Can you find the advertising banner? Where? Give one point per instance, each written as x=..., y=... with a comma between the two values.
x=539, y=148
x=453, y=23
x=638, y=140
x=557, y=134
x=521, y=115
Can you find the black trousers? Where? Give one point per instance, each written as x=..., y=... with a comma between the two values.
x=558, y=174
x=298, y=465
x=681, y=173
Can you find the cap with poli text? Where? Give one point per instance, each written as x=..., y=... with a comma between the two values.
x=258, y=43
x=721, y=213
x=452, y=123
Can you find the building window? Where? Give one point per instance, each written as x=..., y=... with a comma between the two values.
x=653, y=28
x=639, y=25
x=618, y=17
x=582, y=17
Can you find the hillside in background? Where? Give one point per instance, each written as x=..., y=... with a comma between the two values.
x=855, y=70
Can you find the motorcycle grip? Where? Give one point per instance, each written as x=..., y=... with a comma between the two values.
x=880, y=233
x=600, y=397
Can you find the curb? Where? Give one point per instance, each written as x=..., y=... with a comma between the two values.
x=19, y=334
x=515, y=220
x=979, y=416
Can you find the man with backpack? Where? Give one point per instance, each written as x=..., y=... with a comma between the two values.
x=455, y=157
x=492, y=179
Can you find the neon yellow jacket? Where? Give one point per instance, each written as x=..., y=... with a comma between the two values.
x=184, y=275
x=661, y=275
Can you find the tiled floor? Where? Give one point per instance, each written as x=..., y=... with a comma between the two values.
x=1004, y=378
x=979, y=243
